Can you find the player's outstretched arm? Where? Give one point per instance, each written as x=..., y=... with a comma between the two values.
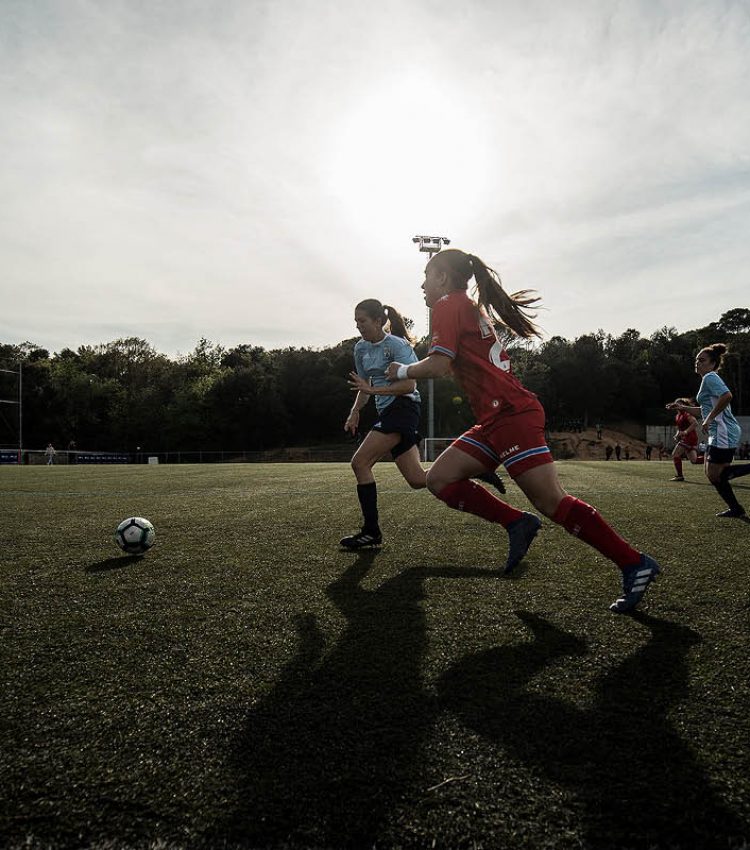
x=694, y=410
x=432, y=366
x=359, y=384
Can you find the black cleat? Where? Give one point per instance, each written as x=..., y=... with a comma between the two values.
x=362, y=539
x=521, y=534
x=494, y=479
x=732, y=513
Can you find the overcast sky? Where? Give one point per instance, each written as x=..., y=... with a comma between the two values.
x=247, y=171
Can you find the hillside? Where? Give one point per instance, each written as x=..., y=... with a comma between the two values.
x=585, y=446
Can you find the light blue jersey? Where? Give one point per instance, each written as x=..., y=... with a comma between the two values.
x=724, y=431
x=371, y=359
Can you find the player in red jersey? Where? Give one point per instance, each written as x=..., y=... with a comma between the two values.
x=510, y=420
x=686, y=438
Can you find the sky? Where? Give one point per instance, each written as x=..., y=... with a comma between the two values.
x=247, y=171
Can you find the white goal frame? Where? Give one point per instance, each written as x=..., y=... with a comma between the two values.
x=433, y=446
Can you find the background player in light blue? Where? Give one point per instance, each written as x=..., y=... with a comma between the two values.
x=723, y=430
x=398, y=406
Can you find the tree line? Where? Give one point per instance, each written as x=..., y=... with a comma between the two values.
x=124, y=395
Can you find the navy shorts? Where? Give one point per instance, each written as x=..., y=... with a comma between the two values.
x=717, y=455
x=401, y=417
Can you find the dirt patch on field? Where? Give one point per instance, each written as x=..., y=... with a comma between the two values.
x=586, y=446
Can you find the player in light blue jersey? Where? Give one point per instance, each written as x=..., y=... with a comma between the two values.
x=723, y=429
x=398, y=406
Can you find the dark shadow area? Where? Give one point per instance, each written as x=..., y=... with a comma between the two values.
x=335, y=747
x=119, y=562
x=635, y=780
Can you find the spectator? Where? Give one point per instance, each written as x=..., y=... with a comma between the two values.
x=608, y=451
x=618, y=449
x=599, y=427
x=649, y=449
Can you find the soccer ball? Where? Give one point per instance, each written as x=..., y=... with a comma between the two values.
x=135, y=535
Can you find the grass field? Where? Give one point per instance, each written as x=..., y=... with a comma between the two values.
x=248, y=684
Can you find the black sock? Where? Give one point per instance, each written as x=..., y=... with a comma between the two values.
x=724, y=489
x=737, y=471
x=368, y=499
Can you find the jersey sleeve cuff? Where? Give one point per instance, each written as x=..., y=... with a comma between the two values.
x=439, y=349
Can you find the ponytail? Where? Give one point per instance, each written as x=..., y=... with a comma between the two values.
x=386, y=315
x=397, y=323
x=509, y=311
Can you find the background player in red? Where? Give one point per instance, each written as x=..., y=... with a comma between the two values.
x=686, y=445
x=510, y=420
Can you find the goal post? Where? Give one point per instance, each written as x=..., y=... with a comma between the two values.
x=433, y=446
x=17, y=403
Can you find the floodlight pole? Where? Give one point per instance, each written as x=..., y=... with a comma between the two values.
x=430, y=245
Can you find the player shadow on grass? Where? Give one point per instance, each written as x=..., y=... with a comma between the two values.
x=635, y=780
x=327, y=758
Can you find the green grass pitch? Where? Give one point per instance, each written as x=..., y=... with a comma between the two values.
x=248, y=684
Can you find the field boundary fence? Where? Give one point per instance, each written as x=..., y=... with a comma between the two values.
x=39, y=457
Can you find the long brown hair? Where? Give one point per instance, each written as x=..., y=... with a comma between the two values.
x=509, y=311
x=386, y=315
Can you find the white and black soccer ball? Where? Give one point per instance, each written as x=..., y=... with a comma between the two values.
x=135, y=535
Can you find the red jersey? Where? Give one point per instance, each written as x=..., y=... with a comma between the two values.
x=683, y=421
x=461, y=331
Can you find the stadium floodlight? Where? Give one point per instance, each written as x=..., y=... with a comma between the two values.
x=430, y=245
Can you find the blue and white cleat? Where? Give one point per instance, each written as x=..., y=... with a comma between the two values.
x=635, y=580
x=521, y=534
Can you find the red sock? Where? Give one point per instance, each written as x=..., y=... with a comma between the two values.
x=586, y=523
x=470, y=497
x=678, y=465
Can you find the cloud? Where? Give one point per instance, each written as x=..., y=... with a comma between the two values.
x=257, y=168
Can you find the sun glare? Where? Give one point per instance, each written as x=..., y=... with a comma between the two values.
x=407, y=157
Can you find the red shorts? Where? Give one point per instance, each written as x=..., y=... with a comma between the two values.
x=517, y=441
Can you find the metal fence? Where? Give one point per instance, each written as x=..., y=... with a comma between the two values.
x=39, y=457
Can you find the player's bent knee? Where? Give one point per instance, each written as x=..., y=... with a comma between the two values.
x=360, y=467
x=435, y=483
x=546, y=504
x=713, y=476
